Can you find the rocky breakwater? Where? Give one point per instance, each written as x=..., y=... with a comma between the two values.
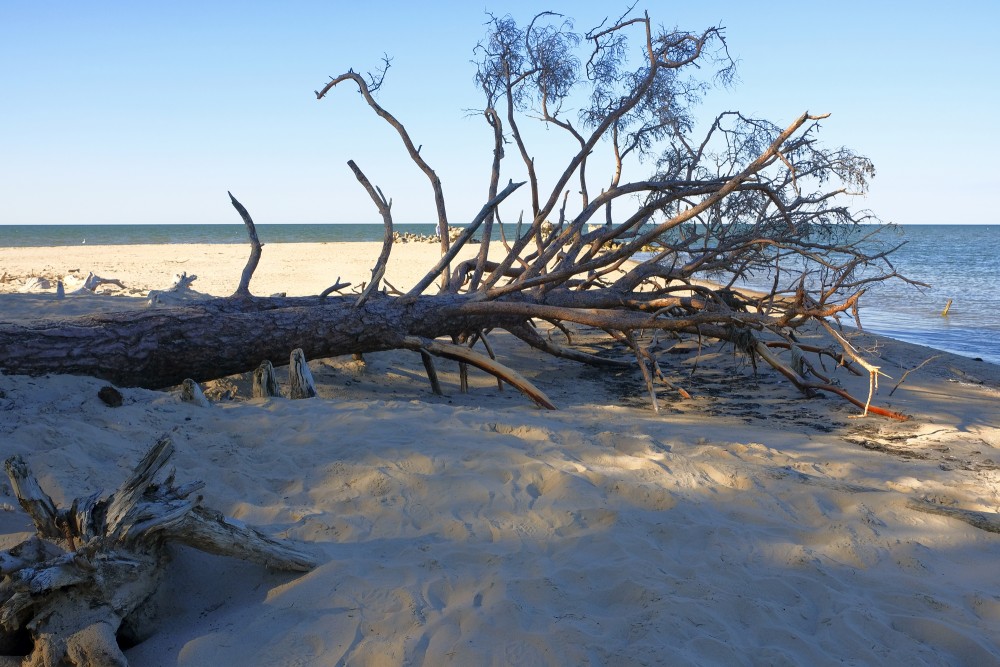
x=410, y=237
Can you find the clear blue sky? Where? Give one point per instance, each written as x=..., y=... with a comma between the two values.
x=147, y=112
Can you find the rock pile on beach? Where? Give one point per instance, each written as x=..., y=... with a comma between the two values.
x=410, y=237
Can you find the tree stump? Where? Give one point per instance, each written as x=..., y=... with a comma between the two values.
x=265, y=384
x=84, y=581
x=300, y=379
x=191, y=393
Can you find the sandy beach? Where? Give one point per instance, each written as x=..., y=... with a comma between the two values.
x=746, y=525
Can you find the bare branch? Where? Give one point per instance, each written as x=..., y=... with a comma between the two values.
x=413, y=151
x=465, y=355
x=463, y=238
x=387, y=238
x=255, y=249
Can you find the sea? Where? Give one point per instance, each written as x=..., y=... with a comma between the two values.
x=961, y=263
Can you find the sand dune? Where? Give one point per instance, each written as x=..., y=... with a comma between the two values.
x=746, y=526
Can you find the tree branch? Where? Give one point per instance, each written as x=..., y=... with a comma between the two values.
x=243, y=289
x=463, y=354
x=412, y=150
x=387, y=237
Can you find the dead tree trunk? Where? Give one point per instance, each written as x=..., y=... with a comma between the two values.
x=161, y=347
x=164, y=346
x=84, y=581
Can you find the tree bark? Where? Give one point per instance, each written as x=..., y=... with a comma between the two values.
x=161, y=347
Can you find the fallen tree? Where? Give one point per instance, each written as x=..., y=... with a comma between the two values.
x=669, y=252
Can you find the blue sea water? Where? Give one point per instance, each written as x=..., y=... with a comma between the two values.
x=959, y=262
x=20, y=236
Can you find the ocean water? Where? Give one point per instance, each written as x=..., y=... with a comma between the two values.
x=20, y=236
x=959, y=262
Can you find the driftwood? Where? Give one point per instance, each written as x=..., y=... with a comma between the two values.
x=264, y=382
x=384, y=208
x=93, y=281
x=36, y=284
x=78, y=286
x=75, y=284
x=191, y=393
x=243, y=289
x=463, y=354
x=431, y=371
x=182, y=282
x=179, y=292
x=84, y=582
x=300, y=379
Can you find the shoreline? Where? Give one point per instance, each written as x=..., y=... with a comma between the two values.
x=746, y=521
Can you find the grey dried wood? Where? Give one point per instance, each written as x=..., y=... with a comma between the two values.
x=85, y=579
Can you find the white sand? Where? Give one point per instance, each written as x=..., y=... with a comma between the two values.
x=745, y=526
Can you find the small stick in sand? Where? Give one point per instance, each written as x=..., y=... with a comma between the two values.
x=915, y=368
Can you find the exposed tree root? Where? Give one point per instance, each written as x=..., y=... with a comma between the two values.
x=84, y=581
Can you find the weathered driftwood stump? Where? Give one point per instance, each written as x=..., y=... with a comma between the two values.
x=300, y=379
x=179, y=292
x=191, y=392
x=93, y=281
x=265, y=384
x=84, y=581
